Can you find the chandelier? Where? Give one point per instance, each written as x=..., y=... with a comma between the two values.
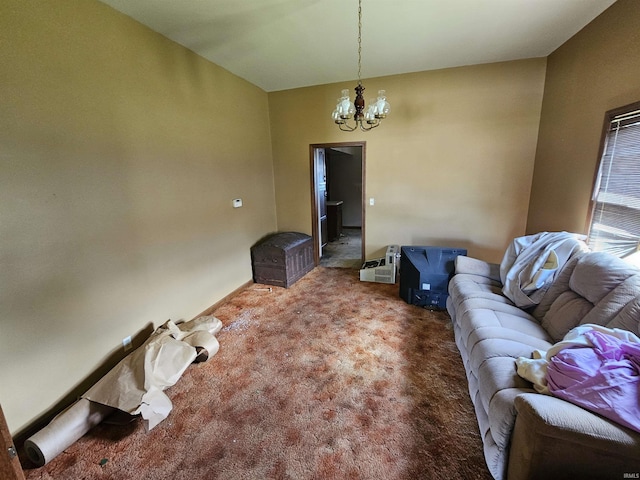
x=345, y=110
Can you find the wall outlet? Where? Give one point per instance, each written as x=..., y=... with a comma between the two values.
x=237, y=202
x=126, y=343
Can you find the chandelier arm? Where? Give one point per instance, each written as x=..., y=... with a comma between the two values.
x=348, y=128
x=366, y=129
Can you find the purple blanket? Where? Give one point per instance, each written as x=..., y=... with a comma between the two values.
x=603, y=378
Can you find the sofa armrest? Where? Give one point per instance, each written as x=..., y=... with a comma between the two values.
x=473, y=266
x=556, y=439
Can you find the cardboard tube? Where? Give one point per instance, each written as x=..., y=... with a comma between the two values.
x=206, y=344
x=67, y=427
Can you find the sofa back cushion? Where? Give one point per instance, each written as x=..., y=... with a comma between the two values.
x=596, y=289
x=557, y=288
x=565, y=313
x=598, y=275
x=629, y=317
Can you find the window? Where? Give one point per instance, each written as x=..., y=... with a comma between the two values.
x=614, y=225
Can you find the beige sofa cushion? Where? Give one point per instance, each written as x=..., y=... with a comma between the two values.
x=595, y=289
x=629, y=317
x=597, y=274
x=565, y=313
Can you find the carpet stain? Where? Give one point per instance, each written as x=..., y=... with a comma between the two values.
x=332, y=378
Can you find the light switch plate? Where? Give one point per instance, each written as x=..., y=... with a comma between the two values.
x=237, y=202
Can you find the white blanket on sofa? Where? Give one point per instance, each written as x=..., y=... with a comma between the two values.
x=531, y=263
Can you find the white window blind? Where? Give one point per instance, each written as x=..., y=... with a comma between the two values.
x=615, y=220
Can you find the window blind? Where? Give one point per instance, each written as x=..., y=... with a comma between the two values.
x=615, y=220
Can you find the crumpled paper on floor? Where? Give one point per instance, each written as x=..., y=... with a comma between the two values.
x=135, y=385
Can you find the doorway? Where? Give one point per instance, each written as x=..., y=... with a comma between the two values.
x=337, y=202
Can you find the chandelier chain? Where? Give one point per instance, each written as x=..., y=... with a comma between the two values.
x=359, y=40
x=345, y=110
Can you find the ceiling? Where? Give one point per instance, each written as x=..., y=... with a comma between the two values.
x=283, y=44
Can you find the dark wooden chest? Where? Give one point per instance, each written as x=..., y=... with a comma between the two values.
x=282, y=259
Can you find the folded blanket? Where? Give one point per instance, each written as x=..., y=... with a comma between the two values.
x=594, y=367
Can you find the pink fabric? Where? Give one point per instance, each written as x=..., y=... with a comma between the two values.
x=603, y=378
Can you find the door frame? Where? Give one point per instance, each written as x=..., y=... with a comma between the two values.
x=10, y=467
x=315, y=233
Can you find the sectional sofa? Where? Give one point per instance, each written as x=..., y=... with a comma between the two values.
x=527, y=434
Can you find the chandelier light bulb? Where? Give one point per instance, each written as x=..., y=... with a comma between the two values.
x=346, y=107
x=370, y=114
x=382, y=106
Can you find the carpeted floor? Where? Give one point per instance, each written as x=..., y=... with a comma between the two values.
x=332, y=378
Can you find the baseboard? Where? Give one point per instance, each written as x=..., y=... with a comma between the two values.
x=225, y=299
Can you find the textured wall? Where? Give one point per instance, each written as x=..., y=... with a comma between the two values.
x=120, y=154
x=595, y=71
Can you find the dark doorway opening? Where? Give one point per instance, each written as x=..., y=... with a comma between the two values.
x=337, y=198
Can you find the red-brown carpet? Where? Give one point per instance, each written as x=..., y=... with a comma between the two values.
x=332, y=378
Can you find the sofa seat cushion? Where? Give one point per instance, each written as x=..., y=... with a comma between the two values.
x=536, y=339
x=506, y=325
x=467, y=286
x=466, y=305
x=498, y=347
x=497, y=374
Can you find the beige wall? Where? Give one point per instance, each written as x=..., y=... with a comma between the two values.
x=596, y=70
x=120, y=154
x=452, y=165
